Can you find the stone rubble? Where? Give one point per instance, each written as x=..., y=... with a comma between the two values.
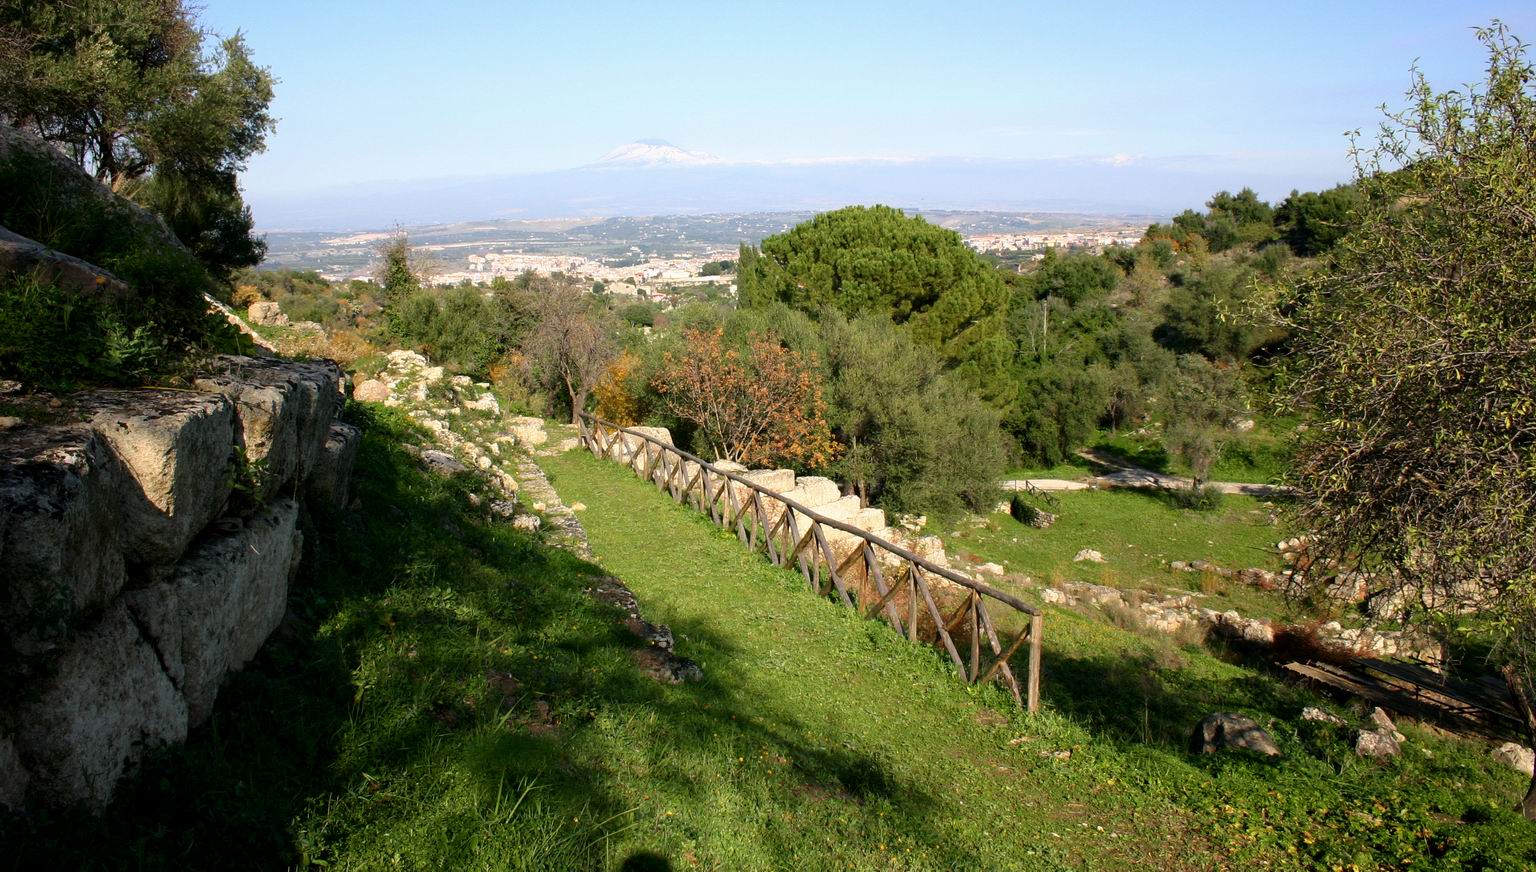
x=1517, y=757
x=1184, y=612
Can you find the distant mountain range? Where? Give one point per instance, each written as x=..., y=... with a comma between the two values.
x=655, y=177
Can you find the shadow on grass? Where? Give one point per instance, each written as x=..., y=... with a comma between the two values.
x=429, y=655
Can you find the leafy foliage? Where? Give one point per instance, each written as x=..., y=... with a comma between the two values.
x=58, y=339
x=914, y=438
x=124, y=90
x=1416, y=356
x=759, y=405
x=1312, y=223
x=876, y=260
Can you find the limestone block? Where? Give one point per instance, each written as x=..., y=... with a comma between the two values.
x=105, y=703
x=810, y=491
x=156, y=610
x=284, y=411
x=230, y=594
x=528, y=431
x=486, y=402
x=331, y=479
x=870, y=519
x=776, y=480
x=14, y=776
x=60, y=543
x=371, y=390
x=717, y=481
x=266, y=314
x=176, y=448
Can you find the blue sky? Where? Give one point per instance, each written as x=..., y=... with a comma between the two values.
x=380, y=92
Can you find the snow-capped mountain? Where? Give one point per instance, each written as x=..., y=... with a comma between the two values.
x=654, y=153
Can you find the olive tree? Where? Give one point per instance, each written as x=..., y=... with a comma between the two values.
x=1415, y=356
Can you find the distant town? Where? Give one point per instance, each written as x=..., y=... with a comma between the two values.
x=644, y=256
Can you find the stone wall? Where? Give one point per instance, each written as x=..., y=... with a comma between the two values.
x=147, y=540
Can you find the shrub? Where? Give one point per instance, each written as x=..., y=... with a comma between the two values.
x=55, y=339
x=1206, y=498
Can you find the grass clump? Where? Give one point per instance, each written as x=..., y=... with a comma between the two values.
x=53, y=338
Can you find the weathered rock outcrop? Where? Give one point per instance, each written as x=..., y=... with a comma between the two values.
x=18, y=254
x=132, y=580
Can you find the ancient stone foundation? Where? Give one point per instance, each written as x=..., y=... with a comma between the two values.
x=147, y=540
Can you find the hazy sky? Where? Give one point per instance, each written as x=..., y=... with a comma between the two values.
x=384, y=91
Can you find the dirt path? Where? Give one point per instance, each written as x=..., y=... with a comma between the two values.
x=1114, y=472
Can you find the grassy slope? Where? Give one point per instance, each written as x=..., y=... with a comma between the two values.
x=446, y=697
x=892, y=763
x=1138, y=533
x=1120, y=702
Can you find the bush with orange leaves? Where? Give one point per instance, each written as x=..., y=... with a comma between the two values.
x=617, y=401
x=759, y=406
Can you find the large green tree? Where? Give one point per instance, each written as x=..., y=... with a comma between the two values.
x=913, y=437
x=1416, y=356
x=876, y=260
x=125, y=89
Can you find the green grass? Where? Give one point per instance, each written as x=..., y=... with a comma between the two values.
x=1139, y=533
x=1258, y=456
x=1121, y=703
x=446, y=697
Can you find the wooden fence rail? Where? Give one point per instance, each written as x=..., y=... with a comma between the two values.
x=872, y=576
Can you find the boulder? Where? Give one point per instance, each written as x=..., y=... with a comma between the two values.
x=371, y=390
x=1222, y=730
x=442, y=462
x=266, y=314
x=1089, y=555
x=60, y=544
x=486, y=402
x=1384, y=723
x=870, y=519
x=1376, y=744
x=331, y=479
x=176, y=447
x=106, y=701
x=664, y=666
x=18, y=254
x=1517, y=757
x=68, y=182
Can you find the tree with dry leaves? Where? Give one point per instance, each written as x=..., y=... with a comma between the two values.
x=569, y=348
x=758, y=405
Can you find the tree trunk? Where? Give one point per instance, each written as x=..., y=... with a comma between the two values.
x=1517, y=689
x=578, y=404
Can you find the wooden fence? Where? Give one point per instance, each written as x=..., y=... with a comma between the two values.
x=890, y=579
